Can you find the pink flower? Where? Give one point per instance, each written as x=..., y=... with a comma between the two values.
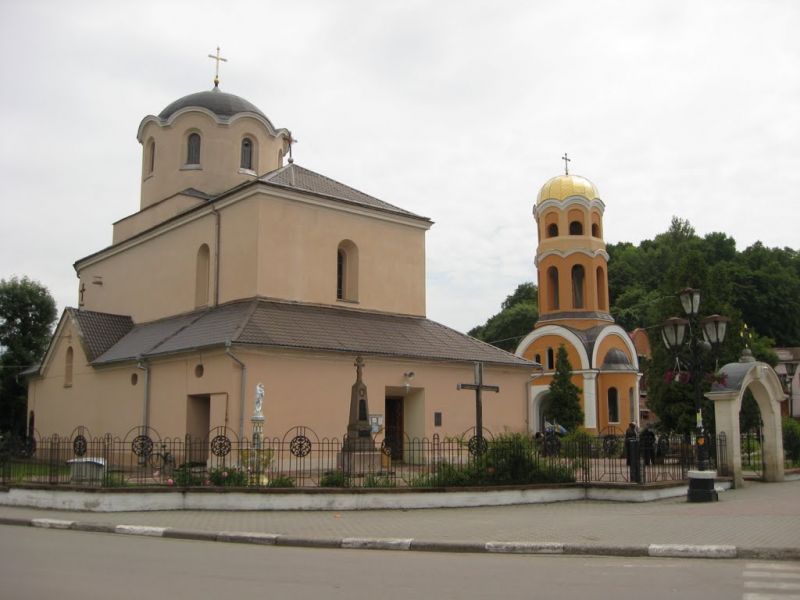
x=224, y=474
x=170, y=482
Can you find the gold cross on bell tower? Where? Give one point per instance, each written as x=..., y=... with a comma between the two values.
x=217, y=58
x=564, y=158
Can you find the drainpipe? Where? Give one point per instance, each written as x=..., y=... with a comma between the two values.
x=216, y=253
x=242, y=387
x=146, y=408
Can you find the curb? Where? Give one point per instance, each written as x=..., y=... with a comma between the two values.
x=410, y=544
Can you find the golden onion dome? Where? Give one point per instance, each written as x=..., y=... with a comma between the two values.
x=564, y=186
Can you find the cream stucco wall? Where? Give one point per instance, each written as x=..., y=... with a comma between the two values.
x=272, y=245
x=297, y=256
x=155, y=277
x=302, y=389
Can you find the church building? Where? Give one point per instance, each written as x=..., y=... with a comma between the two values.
x=571, y=263
x=242, y=269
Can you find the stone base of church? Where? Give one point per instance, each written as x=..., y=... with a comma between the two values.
x=701, y=486
x=359, y=462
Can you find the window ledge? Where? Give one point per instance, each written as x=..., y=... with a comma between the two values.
x=191, y=168
x=347, y=301
x=244, y=171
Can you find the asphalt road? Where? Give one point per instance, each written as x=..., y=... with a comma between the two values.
x=41, y=563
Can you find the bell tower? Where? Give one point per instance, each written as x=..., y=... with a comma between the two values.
x=571, y=258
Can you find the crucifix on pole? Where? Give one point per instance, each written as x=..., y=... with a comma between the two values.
x=218, y=59
x=479, y=388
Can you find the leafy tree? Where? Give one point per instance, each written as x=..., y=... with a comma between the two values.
x=565, y=402
x=516, y=319
x=27, y=313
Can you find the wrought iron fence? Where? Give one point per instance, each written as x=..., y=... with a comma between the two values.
x=300, y=458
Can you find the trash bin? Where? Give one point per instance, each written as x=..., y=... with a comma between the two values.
x=87, y=470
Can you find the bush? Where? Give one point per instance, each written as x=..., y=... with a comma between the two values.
x=377, y=481
x=228, y=477
x=184, y=476
x=791, y=439
x=334, y=479
x=510, y=459
x=281, y=481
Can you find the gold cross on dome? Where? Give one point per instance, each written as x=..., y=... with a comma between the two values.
x=564, y=158
x=217, y=58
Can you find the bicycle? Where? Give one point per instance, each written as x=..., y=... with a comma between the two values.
x=163, y=463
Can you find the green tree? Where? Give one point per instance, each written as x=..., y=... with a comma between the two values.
x=565, y=402
x=519, y=312
x=27, y=313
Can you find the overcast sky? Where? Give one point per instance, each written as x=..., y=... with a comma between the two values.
x=458, y=111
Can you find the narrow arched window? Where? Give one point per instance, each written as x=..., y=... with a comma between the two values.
x=68, y=359
x=576, y=228
x=193, y=149
x=578, y=284
x=538, y=358
x=552, y=288
x=202, y=276
x=601, y=289
x=347, y=271
x=150, y=156
x=341, y=264
x=552, y=230
x=613, y=405
x=247, y=154
x=595, y=230
x=551, y=361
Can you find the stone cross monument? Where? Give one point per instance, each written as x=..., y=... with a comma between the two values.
x=359, y=430
x=359, y=456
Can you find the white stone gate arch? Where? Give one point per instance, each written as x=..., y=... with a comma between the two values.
x=727, y=396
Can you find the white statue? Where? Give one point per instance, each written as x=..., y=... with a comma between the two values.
x=259, y=398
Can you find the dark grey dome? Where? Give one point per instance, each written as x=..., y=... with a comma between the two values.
x=616, y=360
x=220, y=103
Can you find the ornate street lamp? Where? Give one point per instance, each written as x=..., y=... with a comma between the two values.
x=791, y=369
x=684, y=334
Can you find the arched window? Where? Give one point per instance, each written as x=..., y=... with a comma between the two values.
x=576, y=228
x=601, y=289
x=613, y=405
x=550, y=359
x=552, y=288
x=595, y=230
x=68, y=367
x=150, y=157
x=347, y=271
x=538, y=358
x=202, y=276
x=578, y=283
x=247, y=154
x=193, y=149
x=552, y=230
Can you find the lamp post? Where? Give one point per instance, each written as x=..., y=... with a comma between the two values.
x=683, y=338
x=791, y=369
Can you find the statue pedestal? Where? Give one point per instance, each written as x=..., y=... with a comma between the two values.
x=701, y=486
x=359, y=462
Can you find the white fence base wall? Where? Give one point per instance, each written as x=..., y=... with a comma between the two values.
x=100, y=501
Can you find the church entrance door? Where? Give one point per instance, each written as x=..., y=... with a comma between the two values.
x=394, y=432
x=198, y=422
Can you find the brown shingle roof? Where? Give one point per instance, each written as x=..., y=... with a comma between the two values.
x=100, y=331
x=298, y=178
x=275, y=324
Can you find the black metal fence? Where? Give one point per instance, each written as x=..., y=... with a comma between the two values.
x=301, y=459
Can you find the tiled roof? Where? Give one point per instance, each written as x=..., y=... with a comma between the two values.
x=298, y=178
x=100, y=331
x=275, y=324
